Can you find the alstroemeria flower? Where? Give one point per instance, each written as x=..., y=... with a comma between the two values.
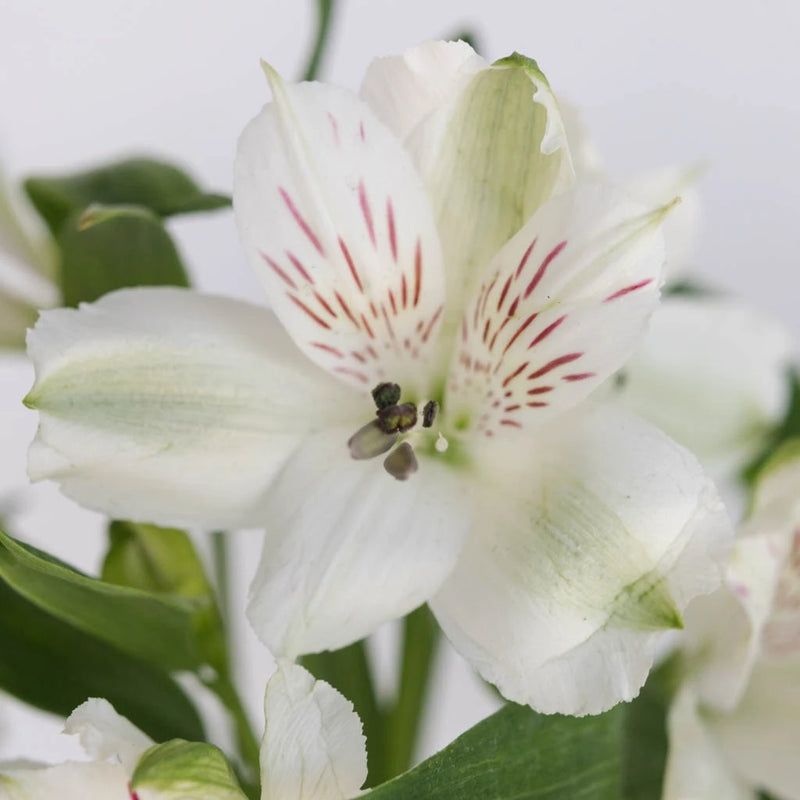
x=443, y=260
x=27, y=262
x=735, y=721
x=313, y=749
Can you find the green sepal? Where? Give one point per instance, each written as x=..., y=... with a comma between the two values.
x=156, y=185
x=155, y=627
x=179, y=770
x=54, y=666
x=107, y=248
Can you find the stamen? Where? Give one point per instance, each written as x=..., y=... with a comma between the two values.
x=397, y=419
x=401, y=463
x=429, y=412
x=386, y=394
x=441, y=444
x=370, y=441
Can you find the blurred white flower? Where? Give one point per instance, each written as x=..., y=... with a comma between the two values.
x=449, y=259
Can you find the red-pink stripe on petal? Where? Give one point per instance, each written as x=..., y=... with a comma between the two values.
x=555, y=363
x=303, y=307
x=417, y=272
x=628, y=289
x=429, y=329
x=278, y=271
x=519, y=331
x=300, y=220
x=548, y=259
x=351, y=266
x=514, y=374
x=512, y=423
x=363, y=201
x=541, y=390
x=328, y=349
x=299, y=267
x=547, y=331
x=524, y=259
x=536, y=404
x=360, y=376
x=346, y=309
x=324, y=303
x=392, y=231
x=578, y=376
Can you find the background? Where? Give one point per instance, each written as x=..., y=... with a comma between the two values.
x=692, y=82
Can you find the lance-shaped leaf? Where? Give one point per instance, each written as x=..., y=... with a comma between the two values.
x=156, y=185
x=111, y=247
x=54, y=666
x=517, y=754
x=156, y=627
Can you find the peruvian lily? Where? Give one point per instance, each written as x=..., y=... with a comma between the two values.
x=27, y=263
x=735, y=721
x=313, y=749
x=444, y=299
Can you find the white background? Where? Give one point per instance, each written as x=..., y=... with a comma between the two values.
x=686, y=82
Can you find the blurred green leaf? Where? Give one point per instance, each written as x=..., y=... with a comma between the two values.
x=164, y=560
x=159, y=628
x=156, y=185
x=108, y=248
x=52, y=665
x=517, y=754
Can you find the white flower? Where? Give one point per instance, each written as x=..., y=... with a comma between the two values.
x=313, y=749
x=27, y=262
x=735, y=722
x=448, y=253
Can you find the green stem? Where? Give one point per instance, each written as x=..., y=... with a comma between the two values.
x=219, y=552
x=420, y=642
x=246, y=741
x=324, y=17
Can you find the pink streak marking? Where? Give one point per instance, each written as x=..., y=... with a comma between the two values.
x=515, y=407
x=298, y=218
x=541, y=390
x=551, y=365
x=360, y=376
x=486, y=296
x=346, y=309
x=547, y=331
x=328, y=349
x=366, y=325
x=511, y=423
x=417, y=273
x=388, y=322
x=335, y=127
x=361, y=131
x=308, y=311
x=524, y=259
x=278, y=271
x=434, y=320
x=299, y=267
x=371, y=351
x=504, y=292
x=351, y=266
x=366, y=210
x=519, y=332
x=536, y=404
x=403, y=291
x=321, y=300
x=358, y=357
x=514, y=374
x=392, y=231
x=578, y=376
x=486, y=330
x=548, y=259
x=497, y=332
x=392, y=302
x=628, y=289
x=373, y=309
x=464, y=332
x=513, y=309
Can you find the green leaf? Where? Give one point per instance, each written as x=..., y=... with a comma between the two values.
x=156, y=185
x=158, y=628
x=52, y=665
x=178, y=770
x=517, y=754
x=164, y=560
x=109, y=248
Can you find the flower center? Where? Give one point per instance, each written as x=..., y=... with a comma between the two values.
x=395, y=423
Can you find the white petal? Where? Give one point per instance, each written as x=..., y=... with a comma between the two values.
x=490, y=156
x=711, y=374
x=696, y=769
x=104, y=734
x=69, y=781
x=682, y=227
x=404, y=90
x=560, y=308
x=313, y=746
x=163, y=405
x=593, y=539
x=760, y=737
x=349, y=547
x=336, y=222
x=586, y=157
